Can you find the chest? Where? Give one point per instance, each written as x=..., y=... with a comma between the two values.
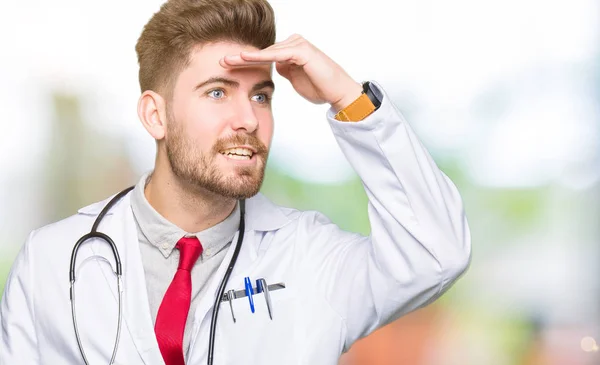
x=300, y=330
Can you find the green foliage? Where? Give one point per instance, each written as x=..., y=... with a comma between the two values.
x=345, y=204
x=5, y=264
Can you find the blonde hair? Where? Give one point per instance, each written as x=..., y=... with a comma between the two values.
x=165, y=46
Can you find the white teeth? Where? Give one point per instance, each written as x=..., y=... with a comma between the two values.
x=238, y=152
x=237, y=157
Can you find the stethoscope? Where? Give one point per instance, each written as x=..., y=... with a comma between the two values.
x=119, y=271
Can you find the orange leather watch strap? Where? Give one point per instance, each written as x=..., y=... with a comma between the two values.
x=357, y=111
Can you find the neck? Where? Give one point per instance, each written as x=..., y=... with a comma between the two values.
x=187, y=207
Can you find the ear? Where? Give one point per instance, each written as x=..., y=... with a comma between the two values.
x=152, y=113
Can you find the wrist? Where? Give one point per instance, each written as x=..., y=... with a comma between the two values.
x=353, y=93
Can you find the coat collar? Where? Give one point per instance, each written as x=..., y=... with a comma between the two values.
x=261, y=213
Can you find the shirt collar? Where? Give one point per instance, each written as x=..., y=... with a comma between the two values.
x=164, y=235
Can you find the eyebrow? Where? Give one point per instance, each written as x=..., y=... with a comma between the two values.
x=235, y=84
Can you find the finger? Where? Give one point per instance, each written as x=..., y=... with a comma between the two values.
x=291, y=41
x=283, y=69
x=235, y=61
x=287, y=54
x=265, y=57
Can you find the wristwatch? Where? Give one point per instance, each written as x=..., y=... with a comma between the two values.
x=367, y=103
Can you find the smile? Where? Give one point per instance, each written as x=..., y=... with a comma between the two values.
x=238, y=153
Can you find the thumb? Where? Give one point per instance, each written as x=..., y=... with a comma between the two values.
x=284, y=69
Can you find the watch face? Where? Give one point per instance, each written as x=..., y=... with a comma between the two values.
x=366, y=86
x=373, y=93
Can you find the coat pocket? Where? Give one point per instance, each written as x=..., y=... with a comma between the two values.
x=255, y=338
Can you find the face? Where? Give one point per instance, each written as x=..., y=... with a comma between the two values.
x=220, y=123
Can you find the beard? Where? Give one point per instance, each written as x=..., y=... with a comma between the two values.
x=201, y=170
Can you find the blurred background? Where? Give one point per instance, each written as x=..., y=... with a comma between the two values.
x=505, y=94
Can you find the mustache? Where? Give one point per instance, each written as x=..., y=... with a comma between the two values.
x=241, y=140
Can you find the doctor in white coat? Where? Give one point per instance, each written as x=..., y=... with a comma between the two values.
x=207, y=104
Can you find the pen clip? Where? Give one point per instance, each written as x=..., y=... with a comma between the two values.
x=261, y=286
x=230, y=297
x=249, y=292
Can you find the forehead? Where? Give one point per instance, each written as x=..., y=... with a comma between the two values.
x=204, y=62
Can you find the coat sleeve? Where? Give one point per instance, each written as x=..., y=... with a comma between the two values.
x=18, y=343
x=419, y=242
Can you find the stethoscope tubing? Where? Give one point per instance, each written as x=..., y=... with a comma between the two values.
x=216, y=306
x=118, y=271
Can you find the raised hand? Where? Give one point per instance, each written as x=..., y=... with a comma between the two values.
x=311, y=72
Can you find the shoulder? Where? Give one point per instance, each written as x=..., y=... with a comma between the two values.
x=65, y=232
x=47, y=250
x=264, y=215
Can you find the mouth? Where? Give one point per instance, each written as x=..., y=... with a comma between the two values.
x=242, y=153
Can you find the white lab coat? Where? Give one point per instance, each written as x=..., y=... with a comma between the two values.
x=340, y=286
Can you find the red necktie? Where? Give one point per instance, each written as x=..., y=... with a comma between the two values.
x=173, y=311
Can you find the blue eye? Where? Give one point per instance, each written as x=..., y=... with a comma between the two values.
x=216, y=93
x=262, y=98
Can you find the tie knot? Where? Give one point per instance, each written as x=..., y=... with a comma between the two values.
x=190, y=249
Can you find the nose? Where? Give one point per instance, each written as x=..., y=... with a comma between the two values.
x=245, y=117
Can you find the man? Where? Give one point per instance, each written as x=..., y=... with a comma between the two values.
x=205, y=76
